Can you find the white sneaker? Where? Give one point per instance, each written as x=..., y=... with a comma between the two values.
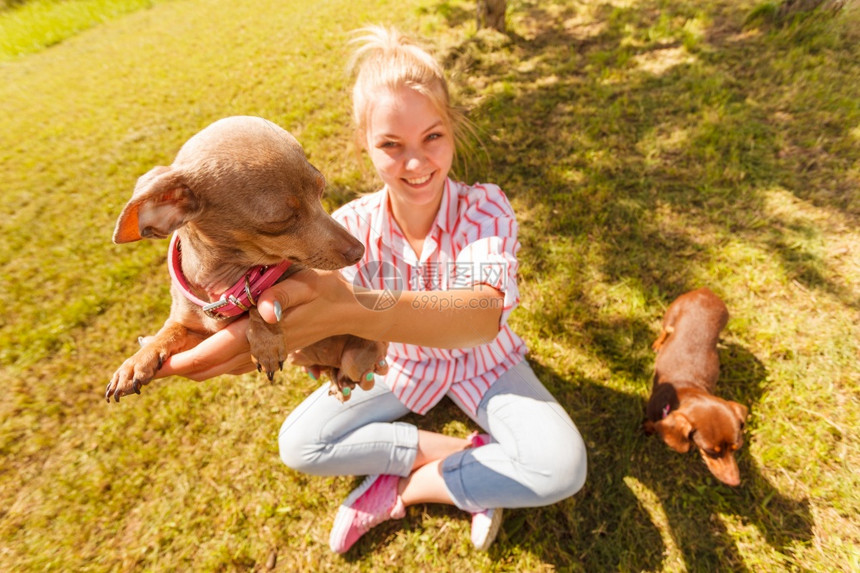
x=485, y=527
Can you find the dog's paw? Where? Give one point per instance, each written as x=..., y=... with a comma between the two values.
x=134, y=373
x=363, y=359
x=268, y=350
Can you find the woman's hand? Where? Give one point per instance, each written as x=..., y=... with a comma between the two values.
x=314, y=304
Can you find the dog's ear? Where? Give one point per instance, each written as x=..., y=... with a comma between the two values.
x=740, y=411
x=162, y=202
x=675, y=430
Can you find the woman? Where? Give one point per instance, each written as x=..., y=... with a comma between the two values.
x=441, y=255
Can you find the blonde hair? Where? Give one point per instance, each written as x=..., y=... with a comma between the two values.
x=386, y=59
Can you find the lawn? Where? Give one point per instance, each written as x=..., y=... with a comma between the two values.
x=649, y=147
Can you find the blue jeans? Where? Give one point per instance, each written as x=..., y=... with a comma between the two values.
x=537, y=456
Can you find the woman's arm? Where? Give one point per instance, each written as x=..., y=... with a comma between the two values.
x=318, y=304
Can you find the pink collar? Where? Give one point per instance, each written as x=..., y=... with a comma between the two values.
x=666, y=409
x=236, y=300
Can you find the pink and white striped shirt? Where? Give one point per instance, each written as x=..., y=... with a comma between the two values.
x=473, y=242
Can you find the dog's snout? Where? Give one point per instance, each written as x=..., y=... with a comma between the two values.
x=353, y=253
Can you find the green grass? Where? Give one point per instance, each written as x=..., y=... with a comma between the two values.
x=649, y=147
x=32, y=25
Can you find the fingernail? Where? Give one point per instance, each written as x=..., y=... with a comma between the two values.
x=278, y=310
x=369, y=376
x=346, y=391
x=140, y=340
x=311, y=374
x=382, y=362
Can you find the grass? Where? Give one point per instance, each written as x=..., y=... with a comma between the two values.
x=28, y=26
x=649, y=147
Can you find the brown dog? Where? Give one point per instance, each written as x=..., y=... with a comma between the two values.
x=682, y=408
x=244, y=203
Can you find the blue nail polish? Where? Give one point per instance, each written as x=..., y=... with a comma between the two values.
x=311, y=374
x=346, y=391
x=278, y=311
x=369, y=376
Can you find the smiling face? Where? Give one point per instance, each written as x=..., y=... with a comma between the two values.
x=411, y=146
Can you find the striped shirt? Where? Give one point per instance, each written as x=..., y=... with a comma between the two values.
x=473, y=242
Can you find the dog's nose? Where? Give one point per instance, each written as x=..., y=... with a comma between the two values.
x=353, y=253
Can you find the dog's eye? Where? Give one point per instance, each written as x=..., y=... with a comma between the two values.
x=690, y=435
x=277, y=228
x=743, y=424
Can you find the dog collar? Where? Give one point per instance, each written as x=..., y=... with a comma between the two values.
x=235, y=300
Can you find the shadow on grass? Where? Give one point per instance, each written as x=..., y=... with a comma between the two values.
x=639, y=149
x=658, y=146
x=607, y=524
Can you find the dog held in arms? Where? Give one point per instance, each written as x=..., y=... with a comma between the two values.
x=243, y=204
x=682, y=408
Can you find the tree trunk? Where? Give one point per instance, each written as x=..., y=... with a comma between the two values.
x=491, y=14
